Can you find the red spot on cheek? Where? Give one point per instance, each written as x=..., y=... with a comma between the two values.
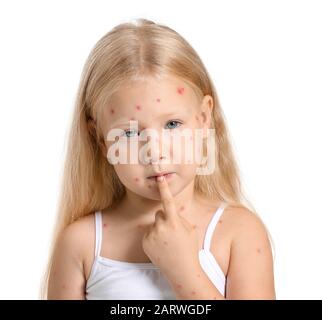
x=136, y=179
x=180, y=90
x=112, y=111
x=194, y=226
x=138, y=108
x=164, y=242
x=105, y=225
x=181, y=208
x=158, y=100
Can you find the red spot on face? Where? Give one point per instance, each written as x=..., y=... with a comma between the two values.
x=158, y=258
x=149, y=186
x=132, y=119
x=63, y=286
x=136, y=179
x=220, y=221
x=164, y=242
x=181, y=208
x=215, y=298
x=191, y=137
x=138, y=108
x=198, y=275
x=140, y=225
x=112, y=111
x=193, y=292
x=180, y=90
x=194, y=226
x=197, y=118
x=259, y=250
x=105, y=225
x=158, y=100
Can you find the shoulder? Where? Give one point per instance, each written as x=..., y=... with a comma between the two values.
x=250, y=273
x=77, y=235
x=246, y=225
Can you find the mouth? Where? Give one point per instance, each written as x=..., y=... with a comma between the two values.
x=167, y=175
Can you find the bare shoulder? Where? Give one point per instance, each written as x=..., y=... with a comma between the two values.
x=250, y=273
x=67, y=279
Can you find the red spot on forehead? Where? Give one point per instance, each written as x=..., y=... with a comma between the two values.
x=180, y=90
x=138, y=107
x=158, y=99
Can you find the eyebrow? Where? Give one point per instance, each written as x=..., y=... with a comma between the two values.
x=123, y=120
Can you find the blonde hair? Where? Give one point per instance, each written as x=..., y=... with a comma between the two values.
x=131, y=51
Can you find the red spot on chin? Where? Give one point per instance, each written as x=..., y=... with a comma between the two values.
x=138, y=108
x=180, y=90
x=158, y=100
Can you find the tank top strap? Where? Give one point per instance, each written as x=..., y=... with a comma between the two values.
x=98, y=232
x=212, y=225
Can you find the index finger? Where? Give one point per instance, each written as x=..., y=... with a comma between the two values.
x=166, y=197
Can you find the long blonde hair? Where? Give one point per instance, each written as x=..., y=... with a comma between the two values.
x=131, y=51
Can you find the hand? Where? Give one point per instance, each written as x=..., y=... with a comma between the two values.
x=171, y=242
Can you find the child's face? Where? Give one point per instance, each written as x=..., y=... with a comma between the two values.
x=159, y=106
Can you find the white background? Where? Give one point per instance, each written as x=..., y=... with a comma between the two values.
x=265, y=60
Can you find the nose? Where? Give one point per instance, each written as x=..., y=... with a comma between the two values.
x=158, y=149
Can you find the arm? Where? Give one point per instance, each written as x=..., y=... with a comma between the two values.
x=250, y=272
x=66, y=281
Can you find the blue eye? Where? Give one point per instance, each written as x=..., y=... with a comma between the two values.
x=129, y=131
x=174, y=121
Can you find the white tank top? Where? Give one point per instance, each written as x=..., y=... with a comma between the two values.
x=119, y=280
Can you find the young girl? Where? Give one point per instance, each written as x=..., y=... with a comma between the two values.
x=123, y=233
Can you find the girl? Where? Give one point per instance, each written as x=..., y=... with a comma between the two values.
x=123, y=233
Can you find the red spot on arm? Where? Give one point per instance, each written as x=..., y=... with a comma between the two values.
x=180, y=90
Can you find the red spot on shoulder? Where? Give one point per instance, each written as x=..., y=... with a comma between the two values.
x=180, y=90
x=138, y=107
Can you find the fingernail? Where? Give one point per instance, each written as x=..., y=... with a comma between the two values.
x=160, y=178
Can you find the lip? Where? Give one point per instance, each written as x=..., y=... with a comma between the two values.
x=167, y=175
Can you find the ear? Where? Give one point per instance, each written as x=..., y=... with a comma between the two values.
x=92, y=127
x=206, y=112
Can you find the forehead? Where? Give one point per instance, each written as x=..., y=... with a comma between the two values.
x=150, y=99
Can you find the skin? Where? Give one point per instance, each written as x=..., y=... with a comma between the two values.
x=139, y=101
x=167, y=214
